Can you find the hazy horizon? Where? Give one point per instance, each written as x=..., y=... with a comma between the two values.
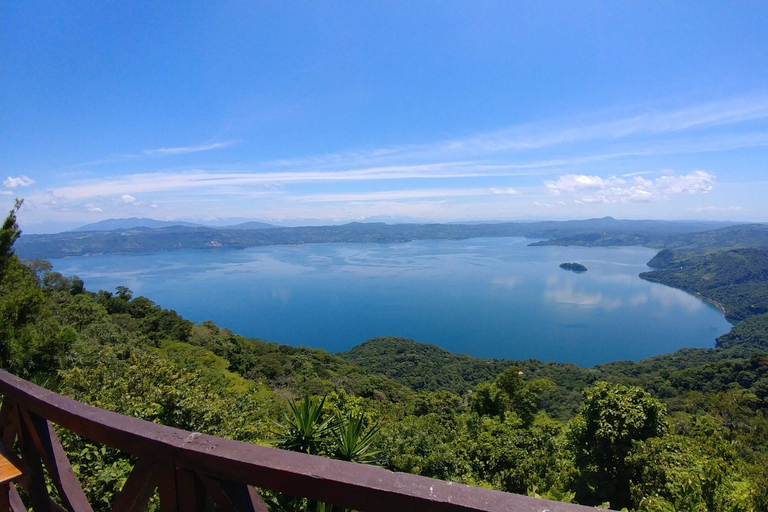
x=231, y=221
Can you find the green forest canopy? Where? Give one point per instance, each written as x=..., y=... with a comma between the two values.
x=681, y=431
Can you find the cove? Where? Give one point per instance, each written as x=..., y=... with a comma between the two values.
x=486, y=297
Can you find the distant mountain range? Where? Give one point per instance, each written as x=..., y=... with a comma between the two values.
x=143, y=222
x=251, y=225
x=137, y=237
x=132, y=222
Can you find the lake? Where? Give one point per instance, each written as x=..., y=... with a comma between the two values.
x=487, y=297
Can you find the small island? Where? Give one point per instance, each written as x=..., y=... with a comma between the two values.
x=574, y=267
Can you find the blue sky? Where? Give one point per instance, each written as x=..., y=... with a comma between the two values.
x=320, y=112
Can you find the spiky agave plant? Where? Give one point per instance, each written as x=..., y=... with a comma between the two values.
x=354, y=441
x=304, y=427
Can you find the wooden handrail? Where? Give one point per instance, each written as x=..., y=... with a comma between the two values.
x=185, y=465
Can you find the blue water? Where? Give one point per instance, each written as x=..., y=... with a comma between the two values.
x=487, y=297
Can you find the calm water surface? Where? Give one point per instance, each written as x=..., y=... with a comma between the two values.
x=487, y=297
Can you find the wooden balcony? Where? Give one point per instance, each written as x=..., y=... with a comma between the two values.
x=192, y=471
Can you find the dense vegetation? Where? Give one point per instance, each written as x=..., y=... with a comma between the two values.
x=734, y=279
x=739, y=236
x=685, y=431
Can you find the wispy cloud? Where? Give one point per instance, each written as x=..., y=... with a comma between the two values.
x=639, y=173
x=717, y=209
x=181, y=150
x=158, y=152
x=159, y=182
x=393, y=195
x=567, y=131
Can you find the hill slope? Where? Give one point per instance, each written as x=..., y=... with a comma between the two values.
x=132, y=222
x=737, y=279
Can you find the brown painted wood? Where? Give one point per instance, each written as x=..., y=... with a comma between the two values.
x=56, y=462
x=8, y=421
x=69, y=487
x=166, y=485
x=220, y=498
x=55, y=506
x=190, y=494
x=347, y=484
x=138, y=488
x=244, y=497
x=5, y=501
x=6, y=412
x=15, y=500
x=35, y=479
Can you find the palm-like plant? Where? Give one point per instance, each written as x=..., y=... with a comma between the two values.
x=304, y=428
x=354, y=442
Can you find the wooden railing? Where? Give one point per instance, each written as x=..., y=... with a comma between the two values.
x=192, y=471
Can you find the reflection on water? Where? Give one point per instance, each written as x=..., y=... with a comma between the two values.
x=486, y=297
x=566, y=294
x=509, y=282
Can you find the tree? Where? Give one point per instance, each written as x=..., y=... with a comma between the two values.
x=489, y=400
x=8, y=234
x=611, y=419
x=124, y=293
x=511, y=381
x=509, y=392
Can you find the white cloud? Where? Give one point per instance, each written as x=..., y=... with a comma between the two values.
x=153, y=205
x=596, y=189
x=21, y=181
x=92, y=208
x=129, y=199
x=694, y=183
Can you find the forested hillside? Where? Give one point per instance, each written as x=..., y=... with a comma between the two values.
x=735, y=279
x=682, y=431
x=739, y=236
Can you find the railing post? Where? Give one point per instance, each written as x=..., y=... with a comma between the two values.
x=37, y=489
x=139, y=487
x=191, y=493
x=166, y=487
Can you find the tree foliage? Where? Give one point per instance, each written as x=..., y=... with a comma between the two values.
x=687, y=430
x=611, y=420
